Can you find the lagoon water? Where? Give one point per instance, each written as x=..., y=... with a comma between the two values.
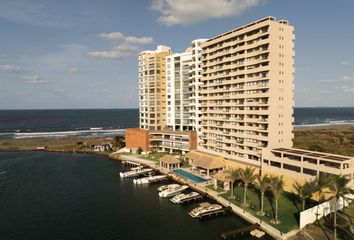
x=75, y=196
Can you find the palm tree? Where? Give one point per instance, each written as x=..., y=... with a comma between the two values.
x=304, y=191
x=322, y=181
x=338, y=186
x=247, y=176
x=277, y=187
x=234, y=175
x=155, y=145
x=263, y=183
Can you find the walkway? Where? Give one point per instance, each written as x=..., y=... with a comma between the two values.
x=214, y=195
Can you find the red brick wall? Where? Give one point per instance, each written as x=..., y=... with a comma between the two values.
x=135, y=138
x=193, y=141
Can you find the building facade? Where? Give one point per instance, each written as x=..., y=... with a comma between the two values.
x=152, y=88
x=178, y=92
x=183, y=89
x=174, y=142
x=247, y=92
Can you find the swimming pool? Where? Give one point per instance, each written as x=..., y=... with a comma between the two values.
x=190, y=176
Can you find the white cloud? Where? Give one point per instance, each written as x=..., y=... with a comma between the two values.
x=328, y=81
x=34, y=79
x=73, y=70
x=348, y=78
x=325, y=91
x=347, y=90
x=184, y=12
x=118, y=36
x=10, y=68
x=345, y=63
x=126, y=45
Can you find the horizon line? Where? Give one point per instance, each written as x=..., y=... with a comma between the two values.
x=129, y=108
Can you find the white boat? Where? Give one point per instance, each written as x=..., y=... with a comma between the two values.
x=149, y=179
x=136, y=168
x=170, y=192
x=205, y=209
x=165, y=187
x=136, y=172
x=184, y=197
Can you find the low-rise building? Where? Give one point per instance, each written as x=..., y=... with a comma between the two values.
x=161, y=140
x=305, y=164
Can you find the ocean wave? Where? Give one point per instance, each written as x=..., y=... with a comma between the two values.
x=98, y=132
x=326, y=123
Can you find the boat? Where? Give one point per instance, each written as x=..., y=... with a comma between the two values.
x=149, y=179
x=205, y=209
x=170, y=192
x=134, y=172
x=257, y=233
x=164, y=187
x=184, y=197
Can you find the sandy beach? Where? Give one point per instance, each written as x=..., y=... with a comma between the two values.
x=337, y=139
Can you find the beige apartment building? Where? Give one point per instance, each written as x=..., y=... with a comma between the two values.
x=152, y=88
x=247, y=92
x=228, y=101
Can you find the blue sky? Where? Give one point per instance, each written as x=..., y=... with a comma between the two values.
x=83, y=53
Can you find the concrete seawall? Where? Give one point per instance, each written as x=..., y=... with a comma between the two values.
x=210, y=194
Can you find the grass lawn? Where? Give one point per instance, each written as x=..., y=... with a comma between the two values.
x=154, y=156
x=288, y=212
x=219, y=190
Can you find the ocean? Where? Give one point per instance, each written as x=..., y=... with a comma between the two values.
x=63, y=196
x=16, y=124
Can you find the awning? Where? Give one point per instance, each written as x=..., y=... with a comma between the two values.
x=205, y=160
x=169, y=159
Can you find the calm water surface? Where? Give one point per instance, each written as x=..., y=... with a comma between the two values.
x=67, y=196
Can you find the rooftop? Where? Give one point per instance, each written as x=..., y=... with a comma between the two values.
x=313, y=154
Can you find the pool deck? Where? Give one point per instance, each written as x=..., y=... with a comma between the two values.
x=202, y=188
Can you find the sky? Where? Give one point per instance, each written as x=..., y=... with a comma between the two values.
x=83, y=53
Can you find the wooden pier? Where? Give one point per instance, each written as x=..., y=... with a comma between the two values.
x=239, y=232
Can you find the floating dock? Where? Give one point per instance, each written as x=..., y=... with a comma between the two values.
x=239, y=232
x=207, y=210
x=186, y=199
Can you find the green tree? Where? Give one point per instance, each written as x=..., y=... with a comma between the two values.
x=304, y=191
x=247, y=176
x=339, y=188
x=277, y=187
x=119, y=141
x=263, y=183
x=234, y=175
x=155, y=145
x=139, y=150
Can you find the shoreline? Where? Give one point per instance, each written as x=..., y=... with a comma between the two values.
x=203, y=190
x=213, y=195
